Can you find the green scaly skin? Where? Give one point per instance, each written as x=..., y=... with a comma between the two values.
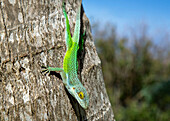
x=69, y=70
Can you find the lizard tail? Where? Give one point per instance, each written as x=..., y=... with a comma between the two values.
x=67, y=31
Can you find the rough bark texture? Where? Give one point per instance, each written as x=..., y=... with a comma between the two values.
x=31, y=35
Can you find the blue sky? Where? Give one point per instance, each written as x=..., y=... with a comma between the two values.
x=130, y=13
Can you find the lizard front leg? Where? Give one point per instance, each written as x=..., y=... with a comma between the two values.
x=47, y=70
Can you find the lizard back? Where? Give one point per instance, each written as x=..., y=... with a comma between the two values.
x=70, y=63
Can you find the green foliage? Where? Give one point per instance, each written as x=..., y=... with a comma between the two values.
x=136, y=77
x=142, y=112
x=158, y=93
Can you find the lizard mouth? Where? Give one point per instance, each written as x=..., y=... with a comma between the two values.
x=84, y=105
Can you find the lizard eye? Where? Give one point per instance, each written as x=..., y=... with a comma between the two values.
x=81, y=95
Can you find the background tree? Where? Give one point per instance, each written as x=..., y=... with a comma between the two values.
x=31, y=35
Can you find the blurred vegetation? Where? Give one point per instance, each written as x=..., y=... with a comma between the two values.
x=136, y=73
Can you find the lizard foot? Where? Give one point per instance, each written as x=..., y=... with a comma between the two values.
x=45, y=70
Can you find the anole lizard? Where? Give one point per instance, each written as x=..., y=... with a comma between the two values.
x=69, y=70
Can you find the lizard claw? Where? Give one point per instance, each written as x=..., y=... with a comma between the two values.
x=45, y=70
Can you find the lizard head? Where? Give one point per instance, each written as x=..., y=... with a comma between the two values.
x=80, y=93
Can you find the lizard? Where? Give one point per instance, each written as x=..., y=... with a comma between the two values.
x=70, y=64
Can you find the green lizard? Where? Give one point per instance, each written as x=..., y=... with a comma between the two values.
x=69, y=70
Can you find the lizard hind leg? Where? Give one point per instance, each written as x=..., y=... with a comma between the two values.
x=77, y=25
x=80, y=47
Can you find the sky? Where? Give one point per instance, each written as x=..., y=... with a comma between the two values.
x=130, y=13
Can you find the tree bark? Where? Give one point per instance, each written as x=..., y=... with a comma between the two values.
x=31, y=35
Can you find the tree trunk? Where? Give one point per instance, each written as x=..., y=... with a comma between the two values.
x=31, y=35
